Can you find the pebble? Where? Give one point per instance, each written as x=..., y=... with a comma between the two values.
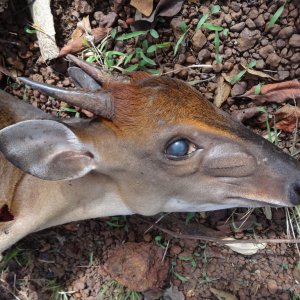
x=239, y=88
x=181, y=71
x=191, y=59
x=250, y=24
x=264, y=42
x=198, y=40
x=286, y=32
x=294, y=41
x=275, y=29
x=235, y=6
x=238, y=27
x=265, y=51
x=253, y=13
x=246, y=43
x=282, y=75
x=259, y=21
x=295, y=57
x=175, y=250
x=280, y=43
x=204, y=55
x=176, y=27
x=272, y=286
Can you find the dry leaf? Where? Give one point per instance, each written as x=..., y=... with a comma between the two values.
x=144, y=6
x=274, y=92
x=222, y=295
x=223, y=91
x=243, y=115
x=85, y=25
x=79, y=43
x=245, y=248
x=258, y=73
x=287, y=117
x=173, y=293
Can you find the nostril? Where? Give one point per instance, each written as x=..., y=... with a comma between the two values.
x=295, y=193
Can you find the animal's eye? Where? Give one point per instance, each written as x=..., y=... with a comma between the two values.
x=180, y=149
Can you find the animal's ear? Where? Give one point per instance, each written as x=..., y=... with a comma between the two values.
x=46, y=149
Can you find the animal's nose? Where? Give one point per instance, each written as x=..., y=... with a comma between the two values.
x=294, y=193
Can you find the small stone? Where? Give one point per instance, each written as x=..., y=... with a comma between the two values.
x=253, y=13
x=250, y=24
x=275, y=29
x=295, y=40
x=181, y=58
x=176, y=27
x=239, y=88
x=203, y=55
x=175, y=250
x=264, y=42
x=147, y=237
x=198, y=40
x=228, y=19
x=259, y=21
x=272, y=286
x=181, y=71
x=273, y=60
x=265, y=51
x=191, y=59
x=280, y=43
x=246, y=43
x=235, y=6
x=286, y=32
x=238, y=27
x=295, y=57
x=217, y=67
x=282, y=75
x=260, y=64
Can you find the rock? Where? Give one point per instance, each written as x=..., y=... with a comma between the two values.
x=175, y=250
x=246, y=43
x=295, y=57
x=286, y=32
x=264, y=52
x=176, y=27
x=239, y=88
x=217, y=67
x=198, y=40
x=275, y=29
x=181, y=71
x=264, y=42
x=272, y=286
x=204, y=55
x=235, y=6
x=190, y=59
x=282, y=75
x=259, y=21
x=260, y=64
x=181, y=58
x=294, y=41
x=228, y=19
x=280, y=43
x=253, y=13
x=250, y=24
x=273, y=60
x=238, y=27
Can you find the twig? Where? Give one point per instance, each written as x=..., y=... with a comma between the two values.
x=221, y=241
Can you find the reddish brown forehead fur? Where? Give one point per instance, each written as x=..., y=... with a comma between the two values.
x=155, y=101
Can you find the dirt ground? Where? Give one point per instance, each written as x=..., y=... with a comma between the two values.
x=78, y=260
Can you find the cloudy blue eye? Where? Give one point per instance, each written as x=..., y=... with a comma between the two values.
x=180, y=148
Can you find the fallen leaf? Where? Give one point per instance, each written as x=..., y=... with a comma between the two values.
x=245, y=248
x=172, y=293
x=164, y=8
x=84, y=25
x=144, y=6
x=80, y=43
x=243, y=115
x=222, y=295
x=287, y=117
x=258, y=73
x=222, y=93
x=5, y=214
x=274, y=92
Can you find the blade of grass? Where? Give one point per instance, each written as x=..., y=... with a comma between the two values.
x=130, y=35
x=276, y=16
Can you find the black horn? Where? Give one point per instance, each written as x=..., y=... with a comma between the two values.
x=100, y=103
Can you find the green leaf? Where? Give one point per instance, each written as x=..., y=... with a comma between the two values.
x=183, y=27
x=68, y=109
x=180, y=277
x=276, y=16
x=215, y=9
x=145, y=45
x=202, y=21
x=130, y=35
x=151, y=49
x=225, y=32
x=153, y=71
x=132, y=68
x=163, y=45
x=189, y=217
x=29, y=30
x=91, y=59
x=213, y=27
x=147, y=59
x=251, y=64
x=154, y=33
x=113, y=52
x=180, y=40
x=218, y=58
x=113, y=33
x=113, y=224
x=237, y=77
x=257, y=89
x=128, y=58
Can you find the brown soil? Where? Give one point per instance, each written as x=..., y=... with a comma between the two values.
x=72, y=261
